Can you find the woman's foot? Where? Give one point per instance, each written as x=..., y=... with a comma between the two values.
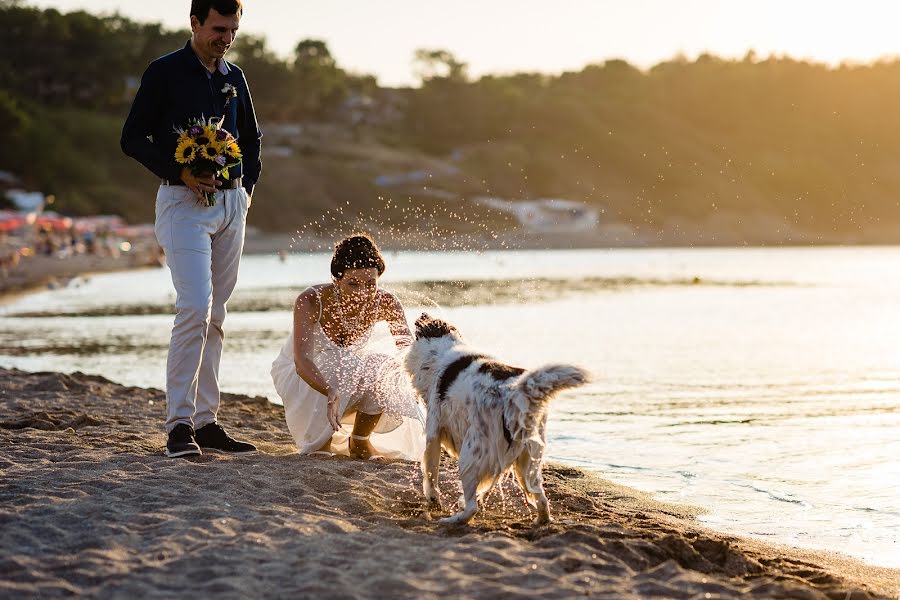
x=363, y=449
x=324, y=451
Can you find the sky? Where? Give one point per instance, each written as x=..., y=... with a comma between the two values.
x=379, y=37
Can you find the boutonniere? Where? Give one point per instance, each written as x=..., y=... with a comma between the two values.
x=230, y=92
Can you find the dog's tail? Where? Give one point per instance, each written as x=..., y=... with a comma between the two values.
x=523, y=416
x=541, y=384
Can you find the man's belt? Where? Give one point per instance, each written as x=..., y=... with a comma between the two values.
x=227, y=184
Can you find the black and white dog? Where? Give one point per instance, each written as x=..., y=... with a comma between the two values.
x=490, y=415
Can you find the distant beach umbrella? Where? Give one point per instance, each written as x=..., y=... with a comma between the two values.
x=135, y=231
x=10, y=220
x=53, y=221
x=98, y=222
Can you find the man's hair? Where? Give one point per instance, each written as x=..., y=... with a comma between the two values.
x=356, y=252
x=200, y=8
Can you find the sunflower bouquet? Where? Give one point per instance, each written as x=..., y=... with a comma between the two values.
x=207, y=148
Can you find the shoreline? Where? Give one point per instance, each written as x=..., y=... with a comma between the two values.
x=91, y=506
x=38, y=273
x=34, y=274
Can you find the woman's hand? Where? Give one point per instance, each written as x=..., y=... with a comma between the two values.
x=333, y=403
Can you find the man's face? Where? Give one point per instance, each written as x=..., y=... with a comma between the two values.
x=213, y=38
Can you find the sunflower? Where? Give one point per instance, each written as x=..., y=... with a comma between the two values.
x=210, y=131
x=186, y=151
x=233, y=150
x=219, y=146
x=210, y=151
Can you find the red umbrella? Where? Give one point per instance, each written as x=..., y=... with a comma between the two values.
x=98, y=222
x=53, y=221
x=135, y=231
x=10, y=220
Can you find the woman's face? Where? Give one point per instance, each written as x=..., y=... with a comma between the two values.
x=357, y=286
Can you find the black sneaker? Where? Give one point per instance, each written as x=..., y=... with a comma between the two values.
x=213, y=437
x=181, y=442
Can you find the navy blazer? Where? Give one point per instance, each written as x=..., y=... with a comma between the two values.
x=176, y=88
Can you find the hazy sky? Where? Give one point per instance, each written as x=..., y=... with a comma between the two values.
x=501, y=36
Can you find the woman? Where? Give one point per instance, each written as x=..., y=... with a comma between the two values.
x=338, y=368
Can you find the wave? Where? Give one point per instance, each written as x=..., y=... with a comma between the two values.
x=780, y=496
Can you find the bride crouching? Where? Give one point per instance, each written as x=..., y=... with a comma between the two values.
x=339, y=365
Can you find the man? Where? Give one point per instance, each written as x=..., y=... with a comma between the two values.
x=202, y=243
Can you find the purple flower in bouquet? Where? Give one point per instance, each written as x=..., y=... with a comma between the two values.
x=220, y=160
x=195, y=131
x=221, y=135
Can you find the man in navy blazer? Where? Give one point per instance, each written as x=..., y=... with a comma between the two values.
x=203, y=244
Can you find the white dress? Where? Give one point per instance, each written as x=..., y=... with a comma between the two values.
x=366, y=373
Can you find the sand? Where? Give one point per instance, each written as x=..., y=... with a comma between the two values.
x=90, y=506
x=35, y=273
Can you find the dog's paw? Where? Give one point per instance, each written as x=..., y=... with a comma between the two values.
x=434, y=503
x=542, y=520
x=457, y=519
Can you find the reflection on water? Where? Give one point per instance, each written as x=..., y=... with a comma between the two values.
x=763, y=385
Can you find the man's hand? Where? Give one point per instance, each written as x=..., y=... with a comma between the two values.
x=199, y=183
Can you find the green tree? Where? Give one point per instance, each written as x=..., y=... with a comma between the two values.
x=269, y=77
x=319, y=86
x=438, y=64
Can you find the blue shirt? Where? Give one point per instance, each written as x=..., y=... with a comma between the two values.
x=176, y=88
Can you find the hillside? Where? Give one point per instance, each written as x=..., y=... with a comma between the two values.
x=709, y=151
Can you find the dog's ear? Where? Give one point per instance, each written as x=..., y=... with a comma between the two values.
x=422, y=323
x=427, y=327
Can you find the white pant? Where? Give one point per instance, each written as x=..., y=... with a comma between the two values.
x=203, y=251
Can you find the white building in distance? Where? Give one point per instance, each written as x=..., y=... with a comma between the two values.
x=547, y=215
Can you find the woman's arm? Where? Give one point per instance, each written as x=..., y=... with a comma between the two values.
x=392, y=312
x=306, y=312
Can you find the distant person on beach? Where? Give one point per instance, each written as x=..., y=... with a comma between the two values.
x=9, y=260
x=202, y=243
x=337, y=368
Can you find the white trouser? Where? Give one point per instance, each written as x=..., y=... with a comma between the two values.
x=203, y=251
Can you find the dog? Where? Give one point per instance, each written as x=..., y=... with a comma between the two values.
x=489, y=415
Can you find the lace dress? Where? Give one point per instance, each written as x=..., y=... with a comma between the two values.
x=368, y=375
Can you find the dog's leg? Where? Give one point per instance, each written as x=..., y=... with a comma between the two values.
x=470, y=486
x=535, y=483
x=470, y=477
x=521, y=470
x=533, y=475
x=431, y=468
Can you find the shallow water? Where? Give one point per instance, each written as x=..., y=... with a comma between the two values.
x=761, y=384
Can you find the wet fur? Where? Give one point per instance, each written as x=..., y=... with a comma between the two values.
x=489, y=415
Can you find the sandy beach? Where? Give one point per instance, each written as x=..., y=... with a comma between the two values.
x=46, y=272
x=90, y=506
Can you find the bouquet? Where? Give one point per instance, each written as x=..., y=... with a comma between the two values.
x=207, y=148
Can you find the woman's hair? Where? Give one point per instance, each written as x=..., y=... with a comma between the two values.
x=200, y=8
x=357, y=251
